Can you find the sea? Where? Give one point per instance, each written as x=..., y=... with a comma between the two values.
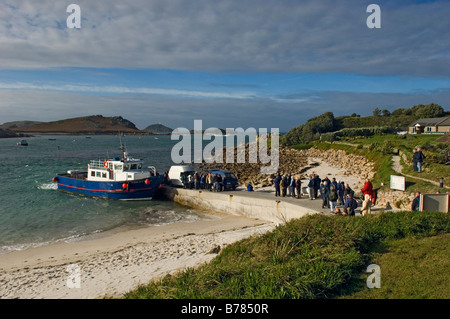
x=34, y=213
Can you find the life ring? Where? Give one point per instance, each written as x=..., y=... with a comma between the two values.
x=105, y=164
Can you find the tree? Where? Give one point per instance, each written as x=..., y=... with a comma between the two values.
x=385, y=112
x=376, y=112
x=428, y=111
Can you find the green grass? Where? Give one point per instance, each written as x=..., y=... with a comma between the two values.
x=411, y=268
x=316, y=256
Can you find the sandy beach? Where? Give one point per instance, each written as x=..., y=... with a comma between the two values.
x=116, y=263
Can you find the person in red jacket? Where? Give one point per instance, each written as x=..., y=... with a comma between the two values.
x=368, y=188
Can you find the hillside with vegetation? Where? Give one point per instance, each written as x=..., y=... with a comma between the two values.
x=95, y=124
x=326, y=127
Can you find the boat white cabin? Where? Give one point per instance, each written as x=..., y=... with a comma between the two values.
x=116, y=170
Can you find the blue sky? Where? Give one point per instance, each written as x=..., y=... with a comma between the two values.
x=250, y=63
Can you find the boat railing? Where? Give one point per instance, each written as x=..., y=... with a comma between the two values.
x=153, y=169
x=97, y=164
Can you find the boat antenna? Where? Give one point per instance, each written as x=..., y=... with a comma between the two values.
x=122, y=146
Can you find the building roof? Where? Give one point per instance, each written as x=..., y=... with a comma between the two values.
x=432, y=121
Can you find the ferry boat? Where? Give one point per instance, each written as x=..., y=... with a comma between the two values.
x=123, y=179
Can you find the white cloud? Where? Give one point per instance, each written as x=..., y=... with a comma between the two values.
x=122, y=90
x=249, y=36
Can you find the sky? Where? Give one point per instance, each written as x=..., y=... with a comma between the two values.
x=230, y=63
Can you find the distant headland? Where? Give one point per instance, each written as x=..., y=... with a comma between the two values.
x=91, y=125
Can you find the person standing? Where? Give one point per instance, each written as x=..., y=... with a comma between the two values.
x=277, y=182
x=333, y=197
x=190, y=180
x=284, y=185
x=341, y=193
x=292, y=187
x=324, y=190
x=317, y=182
x=219, y=182
x=215, y=183
x=415, y=206
x=311, y=187
x=414, y=160
x=183, y=179
x=196, y=180
x=289, y=180
x=202, y=181
x=420, y=158
x=366, y=205
x=208, y=181
x=298, y=186
x=348, y=191
x=368, y=188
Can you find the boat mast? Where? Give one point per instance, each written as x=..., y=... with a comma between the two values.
x=122, y=147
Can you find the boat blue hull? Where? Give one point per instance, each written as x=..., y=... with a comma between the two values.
x=111, y=190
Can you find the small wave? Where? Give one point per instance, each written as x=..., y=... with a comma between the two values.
x=48, y=186
x=161, y=218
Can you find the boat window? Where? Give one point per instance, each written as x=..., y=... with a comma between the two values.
x=126, y=167
x=133, y=166
x=93, y=173
x=118, y=167
x=103, y=175
x=98, y=174
x=140, y=166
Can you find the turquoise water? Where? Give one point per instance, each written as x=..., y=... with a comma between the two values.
x=34, y=213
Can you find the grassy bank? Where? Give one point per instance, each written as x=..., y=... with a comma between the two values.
x=379, y=149
x=313, y=257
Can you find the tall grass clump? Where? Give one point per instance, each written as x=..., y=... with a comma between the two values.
x=315, y=256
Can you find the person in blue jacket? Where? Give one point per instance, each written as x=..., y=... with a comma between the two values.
x=350, y=205
x=324, y=190
x=415, y=206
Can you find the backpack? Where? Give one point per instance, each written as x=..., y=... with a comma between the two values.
x=333, y=196
x=374, y=197
x=311, y=183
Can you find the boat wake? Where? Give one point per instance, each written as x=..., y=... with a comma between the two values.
x=48, y=186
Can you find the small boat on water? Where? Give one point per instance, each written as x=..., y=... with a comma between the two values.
x=22, y=143
x=123, y=179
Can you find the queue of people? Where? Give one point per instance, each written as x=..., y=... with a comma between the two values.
x=208, y=181
x=331, y=192
x=287, y=185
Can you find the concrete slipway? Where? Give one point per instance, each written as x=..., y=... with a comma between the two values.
x=258, y=204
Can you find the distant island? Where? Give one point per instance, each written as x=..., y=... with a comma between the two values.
x=89, y=125
x=158, y=129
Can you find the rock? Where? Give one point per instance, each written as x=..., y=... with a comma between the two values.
x=214, y=250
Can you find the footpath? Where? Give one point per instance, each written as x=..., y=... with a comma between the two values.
x=397, y=166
